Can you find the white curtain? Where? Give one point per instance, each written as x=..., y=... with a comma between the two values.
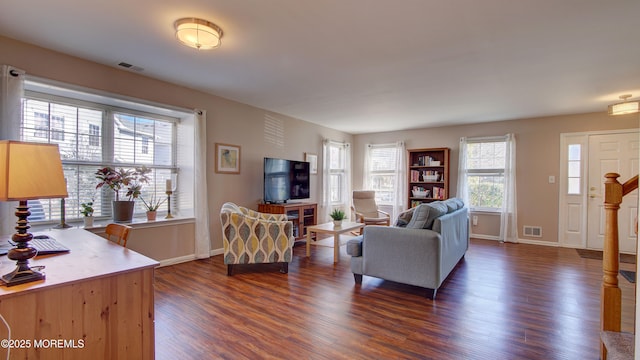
x=509, y=224
x=400, y=196
x=326, y=181
x=11, y=94
x=203, y=237
x=345, y=186
x=463, y=192
x=399, y=200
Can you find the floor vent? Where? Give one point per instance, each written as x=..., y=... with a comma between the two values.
x=533, y=231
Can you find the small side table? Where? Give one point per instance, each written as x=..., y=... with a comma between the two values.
x=329, y=228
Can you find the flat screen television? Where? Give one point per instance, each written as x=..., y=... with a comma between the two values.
x=285, y=180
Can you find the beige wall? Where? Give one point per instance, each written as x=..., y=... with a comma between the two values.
x=537, y=154
x=228, y=122
x=239, y=124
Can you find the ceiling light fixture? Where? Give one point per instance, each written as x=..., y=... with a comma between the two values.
x=625, y=107
x=198, y=33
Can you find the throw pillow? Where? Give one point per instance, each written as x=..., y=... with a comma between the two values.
x=419, y=217
x=425, y=214
x=438, y=208
x=405, y=217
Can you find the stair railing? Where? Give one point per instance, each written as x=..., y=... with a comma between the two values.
x=611, y=296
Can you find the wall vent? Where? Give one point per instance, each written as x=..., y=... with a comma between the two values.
x=130, y=67
x=532, y=231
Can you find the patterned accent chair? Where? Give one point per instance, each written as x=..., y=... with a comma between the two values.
x=251, y=237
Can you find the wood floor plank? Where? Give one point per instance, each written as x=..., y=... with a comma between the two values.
x=503, y=301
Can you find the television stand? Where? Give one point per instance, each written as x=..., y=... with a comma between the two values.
x=302, y=214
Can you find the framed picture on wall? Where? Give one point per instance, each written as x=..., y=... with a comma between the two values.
x=227, y=159
x=312, y=159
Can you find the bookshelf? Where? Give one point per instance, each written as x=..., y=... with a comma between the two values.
x=428, y=175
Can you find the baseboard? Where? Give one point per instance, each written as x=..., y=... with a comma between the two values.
x=538, y=242
x=177, y=260
x=181, y=259
x=485, y=237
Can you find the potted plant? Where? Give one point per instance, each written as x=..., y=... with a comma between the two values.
x=87, y=212
x=152, y=206
x=123, y=179
x=337, y=215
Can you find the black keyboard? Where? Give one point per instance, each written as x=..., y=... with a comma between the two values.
x=46, y=245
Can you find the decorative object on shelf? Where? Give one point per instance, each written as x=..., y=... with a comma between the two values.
x=22, y=166
x=420, y=193
x=87, y=212
x=198, y=33
x=312, y=159
x=116, y=180
x=227, y=159
x=153, y=204
x=337, y=215
x=624, y=107
x=170, y=187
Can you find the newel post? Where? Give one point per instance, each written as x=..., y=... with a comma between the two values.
x=611, y=296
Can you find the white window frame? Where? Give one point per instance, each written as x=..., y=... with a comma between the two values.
x=33, y=91
x=370, y=173
x=340, y=173
x=485, y=172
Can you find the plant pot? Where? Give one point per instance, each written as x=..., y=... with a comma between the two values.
x=88, y=221
x=123, y=211
x=337, y=223
x=151, y=215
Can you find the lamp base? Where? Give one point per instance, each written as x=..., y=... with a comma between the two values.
x=62, y=226
x=22, y=276
x=169, y=216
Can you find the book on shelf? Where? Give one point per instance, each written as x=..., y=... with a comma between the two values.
x=426, y=160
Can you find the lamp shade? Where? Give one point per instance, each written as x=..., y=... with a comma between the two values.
x=625, y=107
x=30, y=171
x=198, y=33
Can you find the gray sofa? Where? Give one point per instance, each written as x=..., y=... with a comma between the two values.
x=421, y=249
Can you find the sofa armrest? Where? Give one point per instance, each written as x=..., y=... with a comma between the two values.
x=354, y=246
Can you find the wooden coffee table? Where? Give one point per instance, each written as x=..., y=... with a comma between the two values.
x=329, y=228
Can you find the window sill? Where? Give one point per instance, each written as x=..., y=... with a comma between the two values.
x=485, y=211
x=137, y=223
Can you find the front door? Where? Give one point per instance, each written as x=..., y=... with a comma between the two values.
x=616, y=153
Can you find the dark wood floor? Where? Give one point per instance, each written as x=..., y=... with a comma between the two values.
x=503, y=301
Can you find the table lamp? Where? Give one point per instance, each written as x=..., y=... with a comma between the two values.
x=28, y=171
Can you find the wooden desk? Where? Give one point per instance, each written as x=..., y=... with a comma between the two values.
x=98, y=299
x=329, y=228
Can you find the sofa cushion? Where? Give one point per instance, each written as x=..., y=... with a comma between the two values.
x=425, y=214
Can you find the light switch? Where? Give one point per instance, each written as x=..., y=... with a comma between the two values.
x=552, y=179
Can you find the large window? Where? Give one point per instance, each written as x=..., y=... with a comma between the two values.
x=337, y=172
x=381, y=172
x=336, y=176
x=485, y=170
x=91, y=136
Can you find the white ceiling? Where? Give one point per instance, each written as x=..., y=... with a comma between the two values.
x=365, y=65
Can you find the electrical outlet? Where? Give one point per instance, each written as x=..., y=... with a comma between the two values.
x=552, y=179
x=474, y=220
